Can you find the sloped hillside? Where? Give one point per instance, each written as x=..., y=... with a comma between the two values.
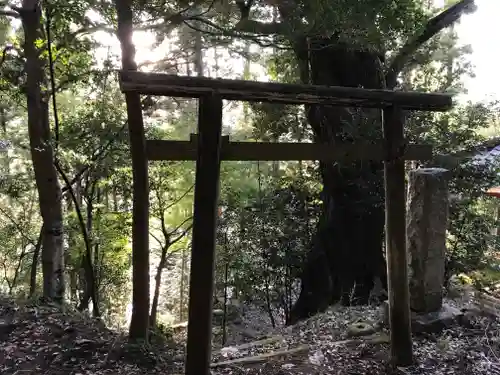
x=43, y=339
x=353, y=341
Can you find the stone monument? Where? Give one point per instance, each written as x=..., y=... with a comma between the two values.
x=426, y=225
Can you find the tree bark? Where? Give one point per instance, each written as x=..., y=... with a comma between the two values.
x=139, y=323
x=198, y=54
x=42, y=154
x=347, y=253
x=116, y=206
x=182, y=284
x=90, y=281
x=97, y=254
x=156, y=296
x=34, y=262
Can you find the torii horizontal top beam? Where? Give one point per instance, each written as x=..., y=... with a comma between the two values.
x=195, y=87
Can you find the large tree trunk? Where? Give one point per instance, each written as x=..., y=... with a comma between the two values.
x=49, y=190
x=347, y=253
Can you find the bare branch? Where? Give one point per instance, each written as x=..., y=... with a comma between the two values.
x=433, y=27
x=88, y=265
x=179, y=226
x=249, y=26
x=9, y=11
x=245, y=33
x=157, y=239
x=259, y=28
x=166, y=25
x=184, y=233
x=17, y=226
x=180, y=198
x=99, y=154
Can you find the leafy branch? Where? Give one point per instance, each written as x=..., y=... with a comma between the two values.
x=433, y=27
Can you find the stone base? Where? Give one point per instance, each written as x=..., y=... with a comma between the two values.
x=434, y=322
x=360, y=329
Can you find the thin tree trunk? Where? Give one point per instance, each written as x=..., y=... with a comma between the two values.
x=126, y=196
x=49, y=190
x=497, y=230
x=246, y=75
x=216, y=62
x=156, y=297
x=288, y=291
x=107, y=201
x=34, y=262
x=73, y=285
x=182, y=285
x=198, y=54
x=96, y=268
x=116, y=206
x=90, y=283
x=139, y=323
x=268, y=301
x=12, y=284
x=4, y=153
x=69, y=259
x=188, y=64
x=224, y=317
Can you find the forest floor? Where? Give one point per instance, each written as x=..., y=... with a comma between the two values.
x=45, y=339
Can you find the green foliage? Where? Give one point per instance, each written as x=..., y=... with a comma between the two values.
x=268, y=216
x=441, y=66
x=371, y=23
x=260, y=252
x=162, y=335
x=454, y=131
x=471, y=223
x=264, y=241
x=19, y=233
x=112, y=266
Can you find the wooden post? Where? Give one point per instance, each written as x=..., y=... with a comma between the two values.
x=395, y=235
x=206, y=198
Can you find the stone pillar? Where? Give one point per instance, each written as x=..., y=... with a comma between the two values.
x=426, y=224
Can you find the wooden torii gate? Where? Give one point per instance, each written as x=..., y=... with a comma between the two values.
x=209, y=148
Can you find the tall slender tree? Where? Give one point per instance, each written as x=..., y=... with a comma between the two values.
x=42, y=153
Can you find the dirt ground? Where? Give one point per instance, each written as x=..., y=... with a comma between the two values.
x=45, y=339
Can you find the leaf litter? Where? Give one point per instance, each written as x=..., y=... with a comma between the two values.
x=47, y=339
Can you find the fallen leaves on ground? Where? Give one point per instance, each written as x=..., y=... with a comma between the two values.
x=460, y=350
x=45, y=339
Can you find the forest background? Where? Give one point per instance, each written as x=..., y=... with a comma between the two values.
x=65, y=192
